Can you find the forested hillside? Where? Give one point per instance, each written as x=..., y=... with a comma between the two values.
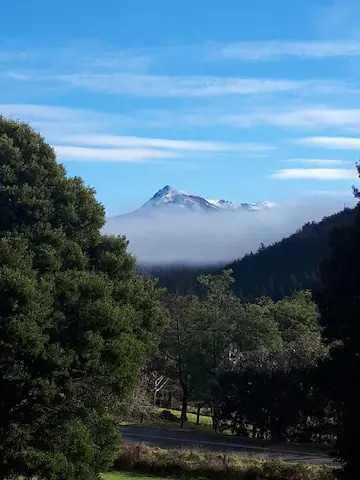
x=289, y=265
x=275, y=271
x=180, y=279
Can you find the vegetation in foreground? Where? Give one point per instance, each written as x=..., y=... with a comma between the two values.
x=76, y=321
x=78, y=324
x=210, y=465
x=254, y=366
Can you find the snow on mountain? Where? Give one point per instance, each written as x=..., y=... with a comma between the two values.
x=168, y=199
x=257, y=206
x=223, y=204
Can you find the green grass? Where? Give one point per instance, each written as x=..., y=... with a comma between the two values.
x=154, y=421
x=205, y=420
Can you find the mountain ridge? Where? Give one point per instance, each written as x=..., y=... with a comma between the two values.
x=169, y=199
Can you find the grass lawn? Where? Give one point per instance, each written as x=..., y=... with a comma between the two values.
x=205, y=420
x=205, y=424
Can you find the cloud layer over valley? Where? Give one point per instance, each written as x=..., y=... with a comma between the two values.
x=199, y=238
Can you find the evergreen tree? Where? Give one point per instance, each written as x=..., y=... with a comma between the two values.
x=339, y=301
x=76, y=322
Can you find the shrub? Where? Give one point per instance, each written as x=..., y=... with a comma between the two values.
x=194, y=464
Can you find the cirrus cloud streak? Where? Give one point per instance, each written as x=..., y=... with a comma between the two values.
x=334, y=143
x=315, y=173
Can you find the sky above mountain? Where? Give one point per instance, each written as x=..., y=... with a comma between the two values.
x=246, y=101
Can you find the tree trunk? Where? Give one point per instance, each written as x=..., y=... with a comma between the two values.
x=215, y=420
x=215, y=423
x=169, y=401
x=198, y=414
x=184, y=406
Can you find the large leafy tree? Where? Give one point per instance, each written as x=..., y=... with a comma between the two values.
x=227, y=329
x=176, y=357
x=76, y=321
x=272, y=387
x=208, y=335
x=339, y=302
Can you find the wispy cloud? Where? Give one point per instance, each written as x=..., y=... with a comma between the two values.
x=84, y=55
x=251, y=116
x=315, y=173
x=99, y=68
x=119, y=155
x=345, y=194
x=310, y=117
x=166, y=86
x=53, y=118
x=140, y=149
x=99, y=56
x=276, y=50
x=78, y=136
x=331, y=143
x=43, y=111
x=182, y=145
x=317, y=161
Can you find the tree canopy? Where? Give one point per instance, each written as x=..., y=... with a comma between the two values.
x=338, y=297
x=76, y=321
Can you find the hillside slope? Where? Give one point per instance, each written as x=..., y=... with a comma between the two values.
x=290, y=264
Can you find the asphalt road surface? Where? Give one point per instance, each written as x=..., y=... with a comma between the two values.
x=185, y=439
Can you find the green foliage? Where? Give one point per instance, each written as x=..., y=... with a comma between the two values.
x=76, y=321
x=253, y=364
x=290, y=264
x=258, y=366
x=227, y=330
x=274, y=389
x=339, y=302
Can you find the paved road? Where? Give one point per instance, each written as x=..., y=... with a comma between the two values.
x=185, y=439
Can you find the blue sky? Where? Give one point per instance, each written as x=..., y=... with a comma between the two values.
x=243, y=100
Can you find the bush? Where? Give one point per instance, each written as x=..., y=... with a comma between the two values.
x=193, y=464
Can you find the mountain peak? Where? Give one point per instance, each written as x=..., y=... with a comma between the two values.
x=167, y=190
x=168, y=199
